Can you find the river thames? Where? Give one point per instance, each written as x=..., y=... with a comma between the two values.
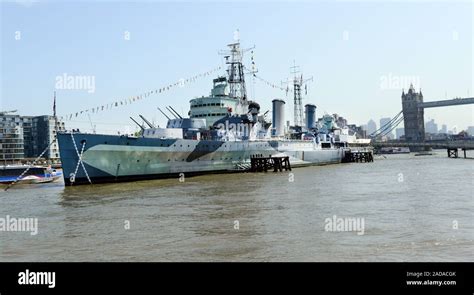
x=412, y=208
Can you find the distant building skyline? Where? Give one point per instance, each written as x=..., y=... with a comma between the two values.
x=444, y=129
x=26, y=137
x=431, y=126
x=371, y=126
x=387, y=125
x=470, y=130
x=399, y=132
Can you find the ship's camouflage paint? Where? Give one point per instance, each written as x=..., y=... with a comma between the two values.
x=111, y=158
x=203, y=148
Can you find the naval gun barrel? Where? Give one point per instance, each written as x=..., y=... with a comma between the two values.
x=141, y=127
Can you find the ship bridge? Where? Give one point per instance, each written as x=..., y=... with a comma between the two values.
x=217, y=105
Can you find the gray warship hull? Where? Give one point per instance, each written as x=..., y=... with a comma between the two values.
x=115, y=158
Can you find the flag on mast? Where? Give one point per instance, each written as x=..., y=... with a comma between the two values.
x=54, y=105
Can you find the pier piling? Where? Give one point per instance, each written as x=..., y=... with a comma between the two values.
x=453, y=153
x=358, y=157
x=259, y=163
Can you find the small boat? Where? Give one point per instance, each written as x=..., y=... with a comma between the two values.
x=35, y=174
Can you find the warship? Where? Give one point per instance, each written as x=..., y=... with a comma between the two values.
x=221, y=134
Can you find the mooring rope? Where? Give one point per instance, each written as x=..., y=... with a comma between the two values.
x=29, y=166
x=79, y=161
x=72, y=177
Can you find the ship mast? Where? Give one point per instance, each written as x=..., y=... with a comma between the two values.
x=235, y=70
x=298, y=83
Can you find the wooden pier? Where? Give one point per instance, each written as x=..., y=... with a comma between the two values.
x=453, y=153
x=259, y=163
x=365, y=156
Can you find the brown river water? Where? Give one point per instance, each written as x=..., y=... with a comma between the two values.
x=413, y=209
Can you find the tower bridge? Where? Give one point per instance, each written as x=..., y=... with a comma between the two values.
x=445, y=103
x=413, y=114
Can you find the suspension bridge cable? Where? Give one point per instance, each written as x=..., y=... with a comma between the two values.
x=393, y=127
x=387, y=125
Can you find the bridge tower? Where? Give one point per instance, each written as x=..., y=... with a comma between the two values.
x=413, y=117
